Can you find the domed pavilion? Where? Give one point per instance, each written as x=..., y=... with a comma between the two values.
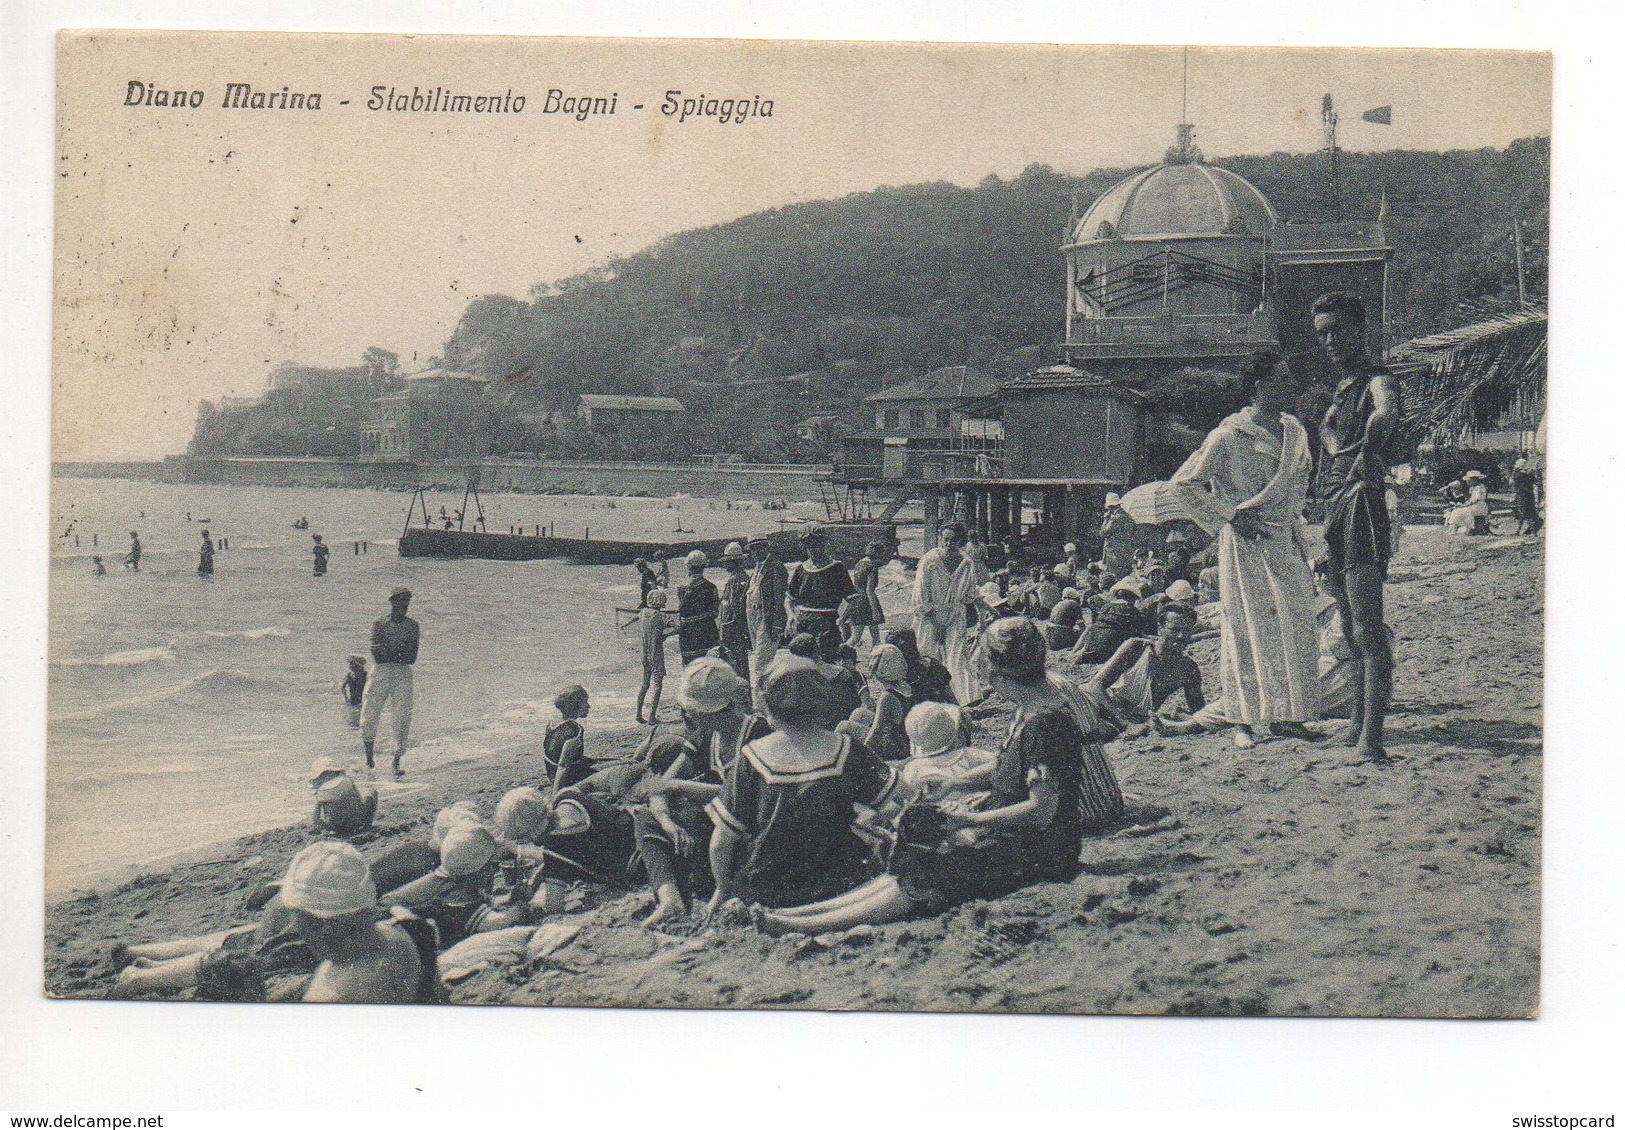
x=1187, y=263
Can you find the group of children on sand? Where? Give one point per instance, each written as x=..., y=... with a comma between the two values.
x=774, y=797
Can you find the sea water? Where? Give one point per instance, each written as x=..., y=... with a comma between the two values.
x=184, y=710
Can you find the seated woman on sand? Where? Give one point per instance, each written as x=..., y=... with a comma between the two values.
x=930, y=680
x=673, y=830
x=1048, y=785
x=784, y=818
x=571, y=836
x=1118, y=619
x=322, y=936
x=847, y=690
x=1061, y=630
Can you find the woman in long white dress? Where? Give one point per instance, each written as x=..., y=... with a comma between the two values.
x=945, y=584
x=1248, y=483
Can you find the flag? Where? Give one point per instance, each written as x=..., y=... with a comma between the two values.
x=1382, y=116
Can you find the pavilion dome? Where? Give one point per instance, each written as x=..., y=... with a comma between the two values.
x=1178, y=199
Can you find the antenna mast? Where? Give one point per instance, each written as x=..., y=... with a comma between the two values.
x=1184, y=151
x=1184, y=82
x=1328, y=118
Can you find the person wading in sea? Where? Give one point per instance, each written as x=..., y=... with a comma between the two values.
x=394, y=650
x=1355, y=433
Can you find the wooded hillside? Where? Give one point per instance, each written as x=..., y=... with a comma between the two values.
x=847, y=296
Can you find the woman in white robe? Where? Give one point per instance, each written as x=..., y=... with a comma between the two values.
x=945, y=584
x=1248, y=483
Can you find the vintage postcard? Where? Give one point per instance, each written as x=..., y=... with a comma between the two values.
x=752, y=524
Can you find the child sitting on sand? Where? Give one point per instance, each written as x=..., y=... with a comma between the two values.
x=890, y=697
x=654, y=627
x=937, y=756
x=460, y=895
x=564, y=756
x=572, y=836
x=342, y=808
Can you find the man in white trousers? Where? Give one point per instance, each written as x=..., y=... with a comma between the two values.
x=394, y=650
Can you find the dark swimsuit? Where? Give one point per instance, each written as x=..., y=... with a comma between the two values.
x=1357, y=528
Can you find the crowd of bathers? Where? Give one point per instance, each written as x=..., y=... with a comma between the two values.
x=820, y=791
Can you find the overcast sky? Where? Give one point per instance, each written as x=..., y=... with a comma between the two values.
x=199, y=248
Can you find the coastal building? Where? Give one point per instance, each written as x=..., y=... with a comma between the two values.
x=915, y=426
x=1188, y=264
x=1039, y=454
x=822, y=431
x=436, y=416
x=1184, y=265
x=623, y=419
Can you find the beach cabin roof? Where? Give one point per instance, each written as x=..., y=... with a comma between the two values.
x=952, y=382
x=446, y=375
x=606, y=402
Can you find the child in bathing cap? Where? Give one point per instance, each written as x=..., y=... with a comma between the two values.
x=329, y=880
x=938, y=755
x=448, y=818
x=342, y=808
x=522, y=816
x=467, y=849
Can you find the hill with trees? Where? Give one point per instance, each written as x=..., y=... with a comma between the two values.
x=761, y=321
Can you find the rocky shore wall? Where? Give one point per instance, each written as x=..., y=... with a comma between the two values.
x=754, y=480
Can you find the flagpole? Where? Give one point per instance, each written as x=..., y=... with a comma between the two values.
x=1328, y=117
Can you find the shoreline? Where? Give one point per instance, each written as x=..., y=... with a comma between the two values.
x=1287, y=881
x=238, y=848
x=201, y=889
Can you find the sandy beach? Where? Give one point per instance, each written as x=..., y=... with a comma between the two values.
x=1284, y=880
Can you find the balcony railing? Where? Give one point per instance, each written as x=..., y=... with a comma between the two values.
x=1172, y=329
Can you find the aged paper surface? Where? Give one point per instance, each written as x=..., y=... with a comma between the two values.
x=316, y=234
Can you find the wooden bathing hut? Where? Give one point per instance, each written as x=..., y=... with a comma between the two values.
x=1054, y=442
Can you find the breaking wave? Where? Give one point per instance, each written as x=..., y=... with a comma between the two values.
x=211, y=690
x=252, y=634
x=165, y=654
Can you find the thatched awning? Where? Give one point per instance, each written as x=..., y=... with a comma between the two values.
x=1476, y=378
